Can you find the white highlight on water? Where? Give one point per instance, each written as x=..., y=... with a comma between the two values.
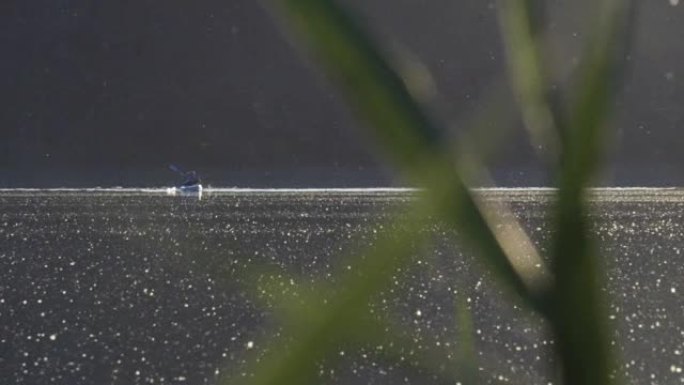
x=163, y=190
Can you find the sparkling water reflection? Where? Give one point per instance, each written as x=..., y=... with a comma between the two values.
x=134, y=286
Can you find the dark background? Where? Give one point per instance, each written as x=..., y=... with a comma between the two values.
x=109, y=93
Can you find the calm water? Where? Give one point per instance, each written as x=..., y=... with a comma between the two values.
x=137, y=287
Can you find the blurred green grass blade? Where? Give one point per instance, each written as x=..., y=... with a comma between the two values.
x=474, y=221
x=601, y=70
x=373, y=88
x=365, y=332
x=579, y=319
x=399, y=123
x=321, y=319
x=521, y=28
x=467, y=353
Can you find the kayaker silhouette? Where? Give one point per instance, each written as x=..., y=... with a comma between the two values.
x=190, y=178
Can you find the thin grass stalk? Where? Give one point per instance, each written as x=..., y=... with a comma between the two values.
x=578, y=318
x=522, y=30
x=400, y=125
x=321, y=319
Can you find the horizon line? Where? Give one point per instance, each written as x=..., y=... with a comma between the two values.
x=209, y=189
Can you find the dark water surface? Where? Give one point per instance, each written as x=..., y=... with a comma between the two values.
x=137, y=287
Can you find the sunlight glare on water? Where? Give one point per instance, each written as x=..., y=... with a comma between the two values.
x=134, y=286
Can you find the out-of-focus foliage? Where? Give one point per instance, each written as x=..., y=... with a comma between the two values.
x=318, y=318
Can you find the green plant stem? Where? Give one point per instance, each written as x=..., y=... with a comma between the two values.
x=522, y=33
x=398, y=122
x=578, y=317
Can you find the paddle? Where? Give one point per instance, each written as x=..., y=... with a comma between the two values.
x=177, y=169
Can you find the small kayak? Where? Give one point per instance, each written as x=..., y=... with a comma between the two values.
x=190, y=190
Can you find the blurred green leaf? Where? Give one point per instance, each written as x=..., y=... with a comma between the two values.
x=380, y=96
x=578, y=317
x=321, y=318
x=400, y=125
x=466, y=343
x=522, y=27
